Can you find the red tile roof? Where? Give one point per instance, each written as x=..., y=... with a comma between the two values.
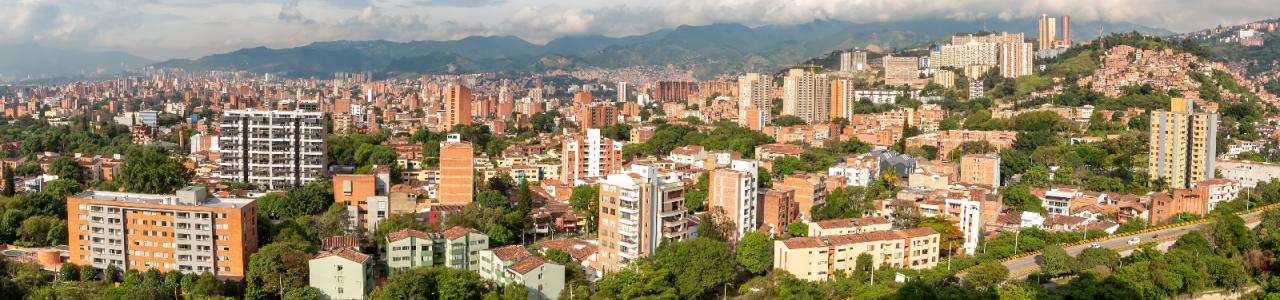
x=346, y=254
x=406, y=233
x=458, y=231
x=510, y=253
x=527, y=264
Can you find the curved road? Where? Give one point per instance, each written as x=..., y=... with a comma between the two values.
x=1020, y=267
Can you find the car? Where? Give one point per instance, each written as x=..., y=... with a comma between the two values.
x=1095, y=246
x=1134, y=241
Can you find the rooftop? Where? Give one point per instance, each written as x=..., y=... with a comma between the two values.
x=155, y=199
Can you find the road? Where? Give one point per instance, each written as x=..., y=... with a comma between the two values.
x=1020, y=267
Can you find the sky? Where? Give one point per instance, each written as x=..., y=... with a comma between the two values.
x=164, y=29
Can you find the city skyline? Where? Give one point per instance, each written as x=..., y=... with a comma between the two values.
x=160, y=29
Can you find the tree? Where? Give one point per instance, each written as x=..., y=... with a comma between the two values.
x=798, y=229
x=1037, y=176
x=986, y=275
x=111, y=274
x=1055, y=261
x=65, y=168
x=304, y=293
x=431, y=283
x=788, y=120
x=310, y=199
x=1016, y=292
x=585, y=200
x=88, y=273
x=1020, y=197
x=1193, y=242
x=755, y=252
x=62, y=187
x=1231, y=235
x=697, y=265
x=43, y=231
x=150, y=171
x=715, y=225
x=276, y=268
x=1093, y=257
x=207, y=285
x=69, y=272
x=8, y=176
x=845, y=202
x=695, y=198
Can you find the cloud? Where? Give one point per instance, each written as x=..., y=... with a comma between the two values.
x=462, y=3
x=289, y=12
x=191, y=28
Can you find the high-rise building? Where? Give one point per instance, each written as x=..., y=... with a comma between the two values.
x=806, y=95
x=624, y=92
x=188, y=231
x=1016, y=59
x=457, y=172
x=733, y=190
x=754, y=118
x=842, y=98
x=272, y=149
x=853, y=61
x=976, y=88
x=1183, y=144
x=755, y=89
x=1066, y=31
x=1048, y=37
x=597, y=115
x=900, y=70
x=963, y=55
x=582, y=97
x=639, y=210
x=457, y=105
x=589, y=156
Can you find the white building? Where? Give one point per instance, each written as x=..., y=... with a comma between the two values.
x=970, y=215
x=878, y=96
x=272, y=149
x=1248, y=173
x=341, y=275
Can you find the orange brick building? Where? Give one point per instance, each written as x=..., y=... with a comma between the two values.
x=778, y=208
x=457, y=105
x=810, y=190
x=457, y=172
x=189, y=232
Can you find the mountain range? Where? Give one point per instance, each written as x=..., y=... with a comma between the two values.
x=35, y=61
x=709, y=50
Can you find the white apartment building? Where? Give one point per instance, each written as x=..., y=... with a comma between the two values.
x=878, y=96
x=272, y=149
x=638, y=211
x=962, y=55
x=754, y=89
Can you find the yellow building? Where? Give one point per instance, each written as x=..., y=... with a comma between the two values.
x=1183, y=145
x=849, y=226
x=819, y=258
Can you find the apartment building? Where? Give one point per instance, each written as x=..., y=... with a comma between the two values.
x=515, y=265
x=457, y=170
x=778, y=208
x=900, y=70
x=853, y=61
x=369, y=198
x=755, y=89
x=806, y=95
x=733, y=190
x=458, y=247
x=596, y=115
x=960, y=55
x=1218, y=190
x=272, y=149
x=1165, y=206
x=983, y=169
x=842, y=98
x=189, y=231
x=457, y=106
x=819, y=258
x=1183, y=145
x=810, y=190
x=589, y=156
x=341, y=275
x=408, y=248
x=849, y=226
x=639, y=210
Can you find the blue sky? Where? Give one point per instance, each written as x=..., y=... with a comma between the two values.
x=162, y=29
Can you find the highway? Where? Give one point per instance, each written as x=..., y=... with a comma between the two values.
x=1020, y=266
